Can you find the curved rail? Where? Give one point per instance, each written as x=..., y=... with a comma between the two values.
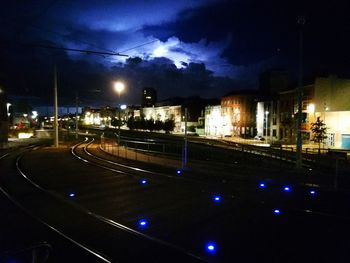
x=100, y=217
x=305, y=211
x=133, y=168
x=13, y=200
x=111, y=222
x=73, y=152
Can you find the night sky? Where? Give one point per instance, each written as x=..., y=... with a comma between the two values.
x=181, y=48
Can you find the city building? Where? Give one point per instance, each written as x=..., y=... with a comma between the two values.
x=163, y=113
x=195, y=111
x=239, y=113
x=326, y=98
x=149, y=97
x=272, y=84
x=215, y=124
x=92, y=116
x=332, y=104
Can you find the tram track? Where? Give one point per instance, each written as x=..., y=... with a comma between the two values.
x=122, y=194
x=151, y=243
x=16, y=200
x=203, y=182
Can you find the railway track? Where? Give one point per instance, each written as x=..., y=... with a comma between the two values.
x=55, y=205
x=120, y=212
x=207, y=186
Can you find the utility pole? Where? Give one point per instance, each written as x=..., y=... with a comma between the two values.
x=184, y=157
x=55, y=107
x=299, y=160
x=76, y=114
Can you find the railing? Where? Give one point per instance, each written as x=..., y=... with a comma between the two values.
x=146, y=151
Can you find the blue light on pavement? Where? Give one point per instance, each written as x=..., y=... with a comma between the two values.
x=277, y=211
x=143, y=181
x=262, y=185
x=71, y=194
x=287, y=189
x=312, y=192
x=178, y=172
x=211, y=248
x=143, y=223
x=217, y=198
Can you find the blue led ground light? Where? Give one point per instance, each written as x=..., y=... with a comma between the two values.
x=287, y=189
x=210, y=248
x=71, y=194
x=312, y=192
x=142, y=223
x=178, y=172
x=143, y=181
x=262, y=185
x=277, y=211
x=217, y=198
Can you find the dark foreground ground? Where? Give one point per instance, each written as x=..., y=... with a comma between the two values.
x=179, y=210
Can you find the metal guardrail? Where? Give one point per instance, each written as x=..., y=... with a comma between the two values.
x=152, y=147
x=206, y=152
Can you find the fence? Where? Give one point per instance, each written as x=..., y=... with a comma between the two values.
x=334, y=169
x=145, y=151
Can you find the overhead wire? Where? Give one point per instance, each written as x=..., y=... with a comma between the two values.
x=141, y=45
x=101, y=51
x=72, y=38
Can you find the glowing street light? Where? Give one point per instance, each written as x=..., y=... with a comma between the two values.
x=119, y=87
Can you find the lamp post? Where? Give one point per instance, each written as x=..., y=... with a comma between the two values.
x=266, y=120
x=76, y=114
x=299, y=160
x=184, y=157
x=55, y=108
x=119, y=88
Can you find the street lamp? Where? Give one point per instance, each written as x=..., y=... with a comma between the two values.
x=266, y=119
x=299, y=155
x=119, y=88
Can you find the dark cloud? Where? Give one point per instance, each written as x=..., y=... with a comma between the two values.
x=184, y=48
x=260, y=30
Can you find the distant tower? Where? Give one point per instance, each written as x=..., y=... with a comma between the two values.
x=149, y=97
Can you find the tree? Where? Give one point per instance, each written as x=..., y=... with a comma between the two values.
x=158, y=125
x=131, y=123
x=169, y=125
x=319, y=131
x=150, y=125
x=116, y=122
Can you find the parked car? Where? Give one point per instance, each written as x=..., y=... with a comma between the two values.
x=259, y=138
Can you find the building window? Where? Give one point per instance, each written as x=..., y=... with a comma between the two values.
x=274, y=133
x=281, y=133
x=274, y=107
x=274, y=121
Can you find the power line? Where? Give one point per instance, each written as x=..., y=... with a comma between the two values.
x=76, y=50
x=144, y=44
x=69, y=37
x=107, y=51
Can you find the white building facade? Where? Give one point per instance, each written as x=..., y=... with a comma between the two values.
x=164, y=113
x=216, y=123
x=332, y=105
